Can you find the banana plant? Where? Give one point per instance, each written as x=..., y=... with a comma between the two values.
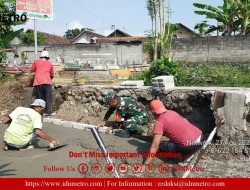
x=202, y=28
x=225, y=14
x=243, y=13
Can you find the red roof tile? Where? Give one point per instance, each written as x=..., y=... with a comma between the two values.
x=52, y=39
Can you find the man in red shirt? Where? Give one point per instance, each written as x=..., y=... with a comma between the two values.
x=44, y=72
x=184, y=137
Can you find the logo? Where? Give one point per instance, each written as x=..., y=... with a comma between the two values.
x=136, y=168
x=83, y=168
x=123, y=168
x=96, y=168
x=150, y=168
x=8, y=18
x=109, y=168
x=163, y=168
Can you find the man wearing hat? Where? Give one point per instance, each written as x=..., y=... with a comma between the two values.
x=129, y=114
x=184, y=137
x=44, y=72
x=25, y=124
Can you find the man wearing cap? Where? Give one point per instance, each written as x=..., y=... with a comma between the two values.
x=25, y=124
x=129, y=114
x=44, y=72
x=184, y=137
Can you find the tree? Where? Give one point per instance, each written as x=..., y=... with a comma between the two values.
x=226, y=15
x=243, y=14
x=152, y=6
x=28, y=38
x=156, y=11
x=72, y=33
x=202, y=28
x=6, y=30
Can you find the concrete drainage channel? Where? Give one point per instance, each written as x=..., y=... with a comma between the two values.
x=232, y=139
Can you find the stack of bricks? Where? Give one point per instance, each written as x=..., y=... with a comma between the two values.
x=162, y=83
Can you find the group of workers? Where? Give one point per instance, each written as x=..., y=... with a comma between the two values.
x=26, y=123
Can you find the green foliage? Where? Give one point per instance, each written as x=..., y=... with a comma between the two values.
x=166, y=40
x=28, y=38
x=225, y=15
x=3, y=54
x=149, y=47
x=8, y=8
x=9, y=36
x=214, y=75
x=232, y=17
x=202, y=28
x=158, y=68
x=3, y=76
x=70, y=34
x=6, y=32
x=199, y=75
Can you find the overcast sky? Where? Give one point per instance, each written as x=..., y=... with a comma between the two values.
x=131, y=16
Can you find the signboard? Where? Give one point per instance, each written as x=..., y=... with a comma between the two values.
x=36, y=9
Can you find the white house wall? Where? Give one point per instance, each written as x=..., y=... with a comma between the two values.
x=98, y=56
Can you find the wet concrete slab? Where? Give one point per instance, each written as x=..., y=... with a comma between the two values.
x=82, y=158
x=71, y=160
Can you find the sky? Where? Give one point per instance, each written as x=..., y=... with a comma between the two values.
x=130, y=16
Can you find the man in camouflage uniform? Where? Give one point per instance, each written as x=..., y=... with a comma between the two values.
x=129, y=113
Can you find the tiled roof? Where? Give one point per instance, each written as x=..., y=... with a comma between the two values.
x=89, y=32
x=52, y=39
x=183, y=26
x=118, y=33
x=122, y=39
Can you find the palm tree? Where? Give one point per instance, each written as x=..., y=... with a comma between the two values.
x=225, y=14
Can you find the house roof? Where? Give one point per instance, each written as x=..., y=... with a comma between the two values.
x=52, y=39
x=118, y=33
x=122, y=39
x=185, y=27
x=87, y=32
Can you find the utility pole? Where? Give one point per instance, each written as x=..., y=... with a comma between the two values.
x=113, y=27
x=102, y=25
x=35, y=37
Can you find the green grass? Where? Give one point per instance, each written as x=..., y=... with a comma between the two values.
x=207, y=75
x=214, y=75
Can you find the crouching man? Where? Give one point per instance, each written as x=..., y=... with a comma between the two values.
x=129, y=115
x=25, y=124
x=184, y=137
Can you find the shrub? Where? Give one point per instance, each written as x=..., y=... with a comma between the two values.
x=198, y=75
x=158, y=68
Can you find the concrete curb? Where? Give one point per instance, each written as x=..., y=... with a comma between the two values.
x=71, y=124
